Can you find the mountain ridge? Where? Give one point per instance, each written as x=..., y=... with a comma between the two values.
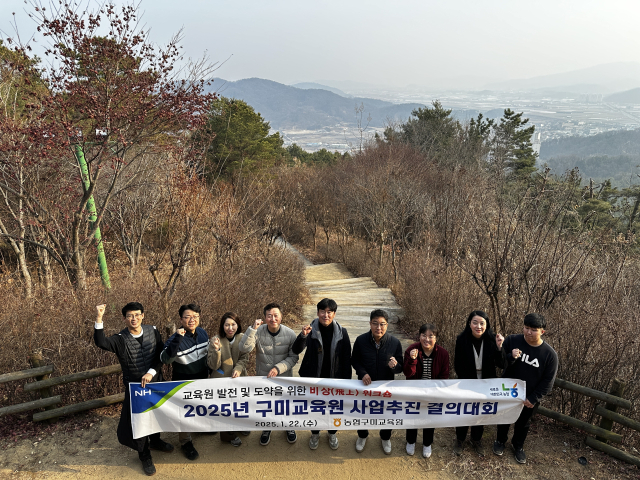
x=289, y=107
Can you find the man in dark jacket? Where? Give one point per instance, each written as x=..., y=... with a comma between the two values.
x=138, y=350
x=530, y=359
x=328, y=354
x=376, y=356
x=187, y=351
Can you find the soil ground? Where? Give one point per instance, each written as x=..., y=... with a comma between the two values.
x=85, y=446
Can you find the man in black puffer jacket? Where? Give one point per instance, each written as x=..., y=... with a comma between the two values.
x=186, y=350
x=376, y=356
x=328, y=354
x=138, y=350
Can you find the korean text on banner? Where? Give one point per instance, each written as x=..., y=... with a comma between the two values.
x=259, y=403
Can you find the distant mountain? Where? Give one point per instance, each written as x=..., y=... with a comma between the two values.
x=630, y=96
x=606, y=78
x=287, y=107
x=622, y=142
x=319, y=86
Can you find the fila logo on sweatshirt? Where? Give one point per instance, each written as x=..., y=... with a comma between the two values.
x=526, y=359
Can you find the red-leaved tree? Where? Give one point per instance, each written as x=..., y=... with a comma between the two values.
x=112, y=96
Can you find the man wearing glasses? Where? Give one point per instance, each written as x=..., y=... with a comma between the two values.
x=186, y=350
x=376, y=356
x=138, y=350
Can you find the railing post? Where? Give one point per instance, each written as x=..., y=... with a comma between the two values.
x=617, y=389
x=36, y=359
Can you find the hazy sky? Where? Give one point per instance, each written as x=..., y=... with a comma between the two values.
x=392, y=43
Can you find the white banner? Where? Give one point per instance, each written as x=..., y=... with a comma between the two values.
x=286, y=403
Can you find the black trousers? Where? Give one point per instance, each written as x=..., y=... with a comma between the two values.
x=384, y=434
x=520, y=428
x=427, y=436
x=125, y=432
x=476, y=433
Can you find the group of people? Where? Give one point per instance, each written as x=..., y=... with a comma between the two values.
x=376, y=355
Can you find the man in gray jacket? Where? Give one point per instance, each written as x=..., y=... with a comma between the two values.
x=274, y=355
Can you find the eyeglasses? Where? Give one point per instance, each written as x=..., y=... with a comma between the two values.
x=381, y=325
x=187, y=318
x=131, y=316
x=428, y=337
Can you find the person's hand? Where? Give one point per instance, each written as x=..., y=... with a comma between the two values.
x=100, y=312
x=414, y=353
x=306, y=330
x=393, y=362
x=515, y=353
x=257, y=323
x=216, y=343
x=366, y=379
x=180, y=331
x=272, y=373
x=146, y=378
x=235, y=374
x=528, y=404
x=499, y=340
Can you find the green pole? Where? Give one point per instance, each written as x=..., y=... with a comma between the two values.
x=93, y=216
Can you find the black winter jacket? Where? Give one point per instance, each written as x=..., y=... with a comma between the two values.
x=135, y=357
x=312, y=361
x=367, y=359
x=465, y=362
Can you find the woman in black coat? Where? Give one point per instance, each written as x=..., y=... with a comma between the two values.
x=478, y=352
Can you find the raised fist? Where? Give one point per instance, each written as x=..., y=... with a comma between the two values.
x=216, y=343
x=414, y=353
x=180, y=331
x=100, y=309
x=393, y=362
x=257, y=323
x=306, y=330
x=499, y=340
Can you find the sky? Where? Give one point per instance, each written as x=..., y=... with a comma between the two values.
x=383, y=43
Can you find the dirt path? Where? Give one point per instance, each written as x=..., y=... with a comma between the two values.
x=356, y=298
x=90, y=449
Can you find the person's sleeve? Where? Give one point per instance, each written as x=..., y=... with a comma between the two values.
x=345, y=356
x=292, y=358
x=248, y=341
x=109, y=344
x=458, y=359
x=300, y=344
x=399, y=360
x=241, y=364
x=500, y=357
x=507, y=346
x=409, y=364
x=214, y=357
x=445, y=366
x=545, y=385
x=171, y=348
x=157, y=364
x=356, y=360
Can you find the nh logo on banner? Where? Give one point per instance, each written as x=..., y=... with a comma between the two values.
x=514, y=390
x=142, y=393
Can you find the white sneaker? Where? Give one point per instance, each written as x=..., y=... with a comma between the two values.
x=333, y=441
x=314, y=441
x=426, y=451
x=411, y=448
x=360, y=443
x=386, y=446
